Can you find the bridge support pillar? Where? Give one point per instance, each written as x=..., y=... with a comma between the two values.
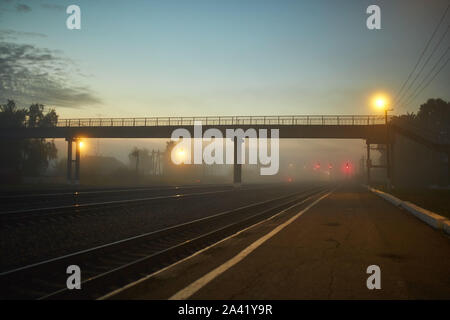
x=77, y=161
x=388, y=163
x=69, y=160
x=237, y=167
x=71, y=179
x=448, y=168
x=391, y=165
x=368, y=163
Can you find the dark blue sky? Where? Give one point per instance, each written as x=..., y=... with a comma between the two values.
x=247, y=57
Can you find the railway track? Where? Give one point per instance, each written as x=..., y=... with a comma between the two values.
x=108, y=267
x=98, y=206
x=102, y=206
x=35, y=201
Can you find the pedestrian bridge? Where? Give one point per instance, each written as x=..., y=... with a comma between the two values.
x=369, y=127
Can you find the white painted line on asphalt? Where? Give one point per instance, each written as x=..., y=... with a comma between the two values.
x=143, y=279
x=200, y=283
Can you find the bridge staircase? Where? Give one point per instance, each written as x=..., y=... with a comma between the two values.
x=433, y=139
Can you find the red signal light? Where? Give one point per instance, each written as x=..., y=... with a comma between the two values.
x=347, y=169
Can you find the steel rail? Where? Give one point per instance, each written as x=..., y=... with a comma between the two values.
x=16, y=276
x=81, y=200
x=189, y=246
x=104, y=204
x=105, y=191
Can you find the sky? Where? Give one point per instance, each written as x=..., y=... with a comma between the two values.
x=204, y=57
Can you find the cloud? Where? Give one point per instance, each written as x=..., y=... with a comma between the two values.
x=23, y=8
x=7, y=34
x=56, y=7
x=31, y=74
x=20, y=7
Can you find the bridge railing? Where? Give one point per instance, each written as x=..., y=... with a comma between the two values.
x=223, y=120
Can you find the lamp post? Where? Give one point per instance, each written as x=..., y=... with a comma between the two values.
x=381, y=103
x=388, y=150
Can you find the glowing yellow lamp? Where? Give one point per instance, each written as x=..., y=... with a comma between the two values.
x=181, y=154
x=380, y=103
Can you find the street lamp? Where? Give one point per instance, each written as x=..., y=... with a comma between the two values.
x=181, y=156
x=381, y=103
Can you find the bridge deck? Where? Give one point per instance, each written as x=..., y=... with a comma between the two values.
x=342, y=127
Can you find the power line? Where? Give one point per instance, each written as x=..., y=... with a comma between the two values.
x=422, y=54
x=423, y=67
x=414, y=93
x=431, y=80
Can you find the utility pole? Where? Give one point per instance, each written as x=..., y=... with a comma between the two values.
x=388, y=149
x=369, y=164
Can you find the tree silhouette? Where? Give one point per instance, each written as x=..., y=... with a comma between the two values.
x=141, y=159
x=134, y=154
x=25, y=157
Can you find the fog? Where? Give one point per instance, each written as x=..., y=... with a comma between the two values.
x=299, y=160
